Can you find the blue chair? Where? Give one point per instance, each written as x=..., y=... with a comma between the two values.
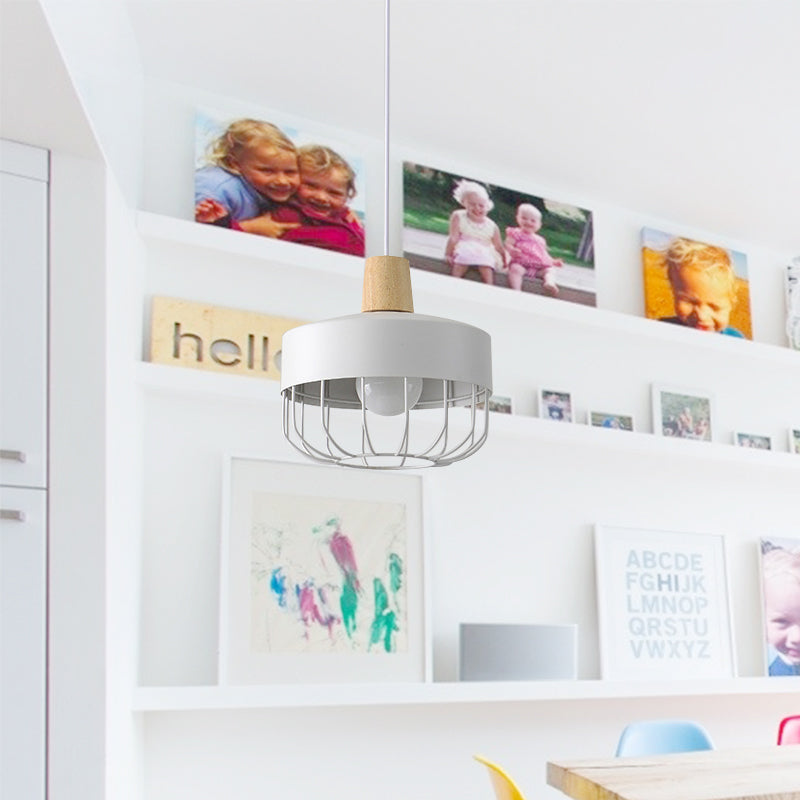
x=658, y=736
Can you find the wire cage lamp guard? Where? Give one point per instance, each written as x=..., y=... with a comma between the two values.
x=350, y=384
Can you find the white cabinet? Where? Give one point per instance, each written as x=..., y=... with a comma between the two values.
x=22, y=642
x=23, y=469
x=23, y=315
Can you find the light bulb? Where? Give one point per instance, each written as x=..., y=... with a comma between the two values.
x=385, y=396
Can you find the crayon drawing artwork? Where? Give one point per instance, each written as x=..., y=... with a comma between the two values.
x=328, y=576
x=321, y=575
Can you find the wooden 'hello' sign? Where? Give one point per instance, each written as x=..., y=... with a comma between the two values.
x=219, y=339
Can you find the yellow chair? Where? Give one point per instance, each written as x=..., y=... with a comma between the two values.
x=504, y=787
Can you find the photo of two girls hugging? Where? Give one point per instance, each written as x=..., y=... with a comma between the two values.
x=250, y=176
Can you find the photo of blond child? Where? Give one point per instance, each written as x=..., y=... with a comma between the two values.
x=780, y=586
x=695, y=284
x=271, y=180
x=473, y=241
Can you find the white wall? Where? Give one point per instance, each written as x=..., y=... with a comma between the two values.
x=510, y=529
x=77, y=497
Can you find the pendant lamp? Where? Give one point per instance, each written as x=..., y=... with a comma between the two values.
x=386, y=388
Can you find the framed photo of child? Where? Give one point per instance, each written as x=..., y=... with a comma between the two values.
x=756, y=441
x=468, y=228
x=603, y=419
x=794, y=440
x=266, y=175
x=556, y=405
x=695, y=284
x=682, y=413
x=780, y=594
x=500, y=404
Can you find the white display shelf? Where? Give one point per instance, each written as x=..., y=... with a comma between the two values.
x=189, y=234
x=198, y=698
x=181, y=381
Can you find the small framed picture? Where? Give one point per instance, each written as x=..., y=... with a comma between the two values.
x=663, y=604
x=677, y=268
x=603, y=419
x=500, y=404
x=755, y=440
x=321, y=575
x=780, y=598
x=556, y=405
x=794, y=440
x=682, y=413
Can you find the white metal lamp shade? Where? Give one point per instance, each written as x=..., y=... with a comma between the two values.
x=335, y=369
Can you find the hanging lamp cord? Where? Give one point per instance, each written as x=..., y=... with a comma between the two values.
x=386, y=130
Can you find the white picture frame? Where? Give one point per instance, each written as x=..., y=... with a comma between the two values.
x=499, y=404
x=663, y=604
x=778, y=571
x=322, y=575
x=794, y=440
x=683, y=413
x=610, y=420
x=557, y=405
x=755, y=441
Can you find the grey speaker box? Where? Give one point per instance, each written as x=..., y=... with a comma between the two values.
x=496, y=652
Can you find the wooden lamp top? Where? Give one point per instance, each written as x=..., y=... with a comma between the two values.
x=387, y=285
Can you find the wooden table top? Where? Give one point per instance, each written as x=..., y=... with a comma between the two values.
x=754, y=773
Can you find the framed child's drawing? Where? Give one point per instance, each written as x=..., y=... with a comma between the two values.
x=322, y=575
x=266, y=175
x=603, y=419
x=780, y=594
x=663, y=604
x=682, y=413
x=468, y=228
x=556, y=405
x=695, y=284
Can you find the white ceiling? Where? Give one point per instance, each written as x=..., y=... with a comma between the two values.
x=687, y=110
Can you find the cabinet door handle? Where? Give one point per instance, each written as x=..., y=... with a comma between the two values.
x=13, y=455
x=9, y=513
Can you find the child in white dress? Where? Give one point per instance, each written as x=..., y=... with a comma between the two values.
x=474, y=240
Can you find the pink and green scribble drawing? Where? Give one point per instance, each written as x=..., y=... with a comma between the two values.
x=327, y=576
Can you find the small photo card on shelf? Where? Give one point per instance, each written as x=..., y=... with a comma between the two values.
x=756, y=441
x=602, y=419
x=793, y=303
x=780, y=597
x=500, y=404
x=556, y=405
x=794, y=440
x=322, y=575
x=663, y=604
x=682, y=413
x=696, y=285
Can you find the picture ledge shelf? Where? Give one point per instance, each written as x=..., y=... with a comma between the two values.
x=183, y=381
x=197, y=698
x=187, y=233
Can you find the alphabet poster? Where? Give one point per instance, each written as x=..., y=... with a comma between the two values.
x=663, y=604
